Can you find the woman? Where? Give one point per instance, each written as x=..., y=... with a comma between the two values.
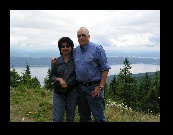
x=63, y=77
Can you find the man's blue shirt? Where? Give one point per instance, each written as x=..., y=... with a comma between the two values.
x=90, y=61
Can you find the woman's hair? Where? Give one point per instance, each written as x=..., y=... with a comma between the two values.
x=66, y=40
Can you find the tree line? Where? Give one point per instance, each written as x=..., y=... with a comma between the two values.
x=138, y=93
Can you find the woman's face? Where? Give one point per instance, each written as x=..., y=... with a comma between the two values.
x=65, y=48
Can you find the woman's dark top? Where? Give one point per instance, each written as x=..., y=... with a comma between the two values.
x=63, y=70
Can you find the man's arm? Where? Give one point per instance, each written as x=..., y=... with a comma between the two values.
x=104, y=77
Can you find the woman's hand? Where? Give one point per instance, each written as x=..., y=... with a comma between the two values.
x=62, y=82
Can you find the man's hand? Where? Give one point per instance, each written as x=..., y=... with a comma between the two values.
x=53, y=60
x=96, y=92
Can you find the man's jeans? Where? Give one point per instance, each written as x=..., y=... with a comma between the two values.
x=88, y=105
x=62, y=104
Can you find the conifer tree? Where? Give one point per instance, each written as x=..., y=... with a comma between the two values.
x=154, y=94
x=14, y=78
x=47, y=83
x=27, y=80
x=109, y=93
x=126, y=85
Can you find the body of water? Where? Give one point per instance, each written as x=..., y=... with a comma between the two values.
x=41, y=72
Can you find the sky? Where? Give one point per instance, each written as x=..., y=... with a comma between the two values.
x=115, y=30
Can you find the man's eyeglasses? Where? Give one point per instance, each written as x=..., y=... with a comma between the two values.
x=83, y=35
x=67, y=46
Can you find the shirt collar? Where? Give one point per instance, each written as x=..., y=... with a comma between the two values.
x=85, y=47
x=71, y=57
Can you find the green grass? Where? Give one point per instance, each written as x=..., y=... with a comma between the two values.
x=35, y=105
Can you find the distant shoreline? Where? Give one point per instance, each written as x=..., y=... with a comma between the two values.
x=45, y=61
x=41, y=72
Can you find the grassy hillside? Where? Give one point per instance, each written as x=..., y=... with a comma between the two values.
x=35, y=105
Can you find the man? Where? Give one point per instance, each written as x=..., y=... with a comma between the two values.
x=91, y=68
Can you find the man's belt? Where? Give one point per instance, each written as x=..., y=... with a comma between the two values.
x=89, y=83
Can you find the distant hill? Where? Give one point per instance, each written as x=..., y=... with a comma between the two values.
x=109, y=53
x=39, y=58
x=45, y=61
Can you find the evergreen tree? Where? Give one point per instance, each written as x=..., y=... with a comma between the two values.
x=113, y=85
x=144, y=89
x=35, y=83
x=28, y=81
x=154, y=94
x=126, y=85
x=47, y=83
x=108, y=93
x=14, y=78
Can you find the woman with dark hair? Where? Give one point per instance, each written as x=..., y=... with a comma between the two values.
x=63, y=77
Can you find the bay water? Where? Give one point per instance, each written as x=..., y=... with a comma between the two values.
x=42, y=72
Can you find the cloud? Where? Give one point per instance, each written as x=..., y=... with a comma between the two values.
x=113, y=29
x=145, y=39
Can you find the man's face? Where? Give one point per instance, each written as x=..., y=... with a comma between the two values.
x=83, y=39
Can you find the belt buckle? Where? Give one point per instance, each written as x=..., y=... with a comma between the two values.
x=83, y=83
x=86, y=84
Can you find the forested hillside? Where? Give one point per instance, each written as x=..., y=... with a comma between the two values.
x=139, y=93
